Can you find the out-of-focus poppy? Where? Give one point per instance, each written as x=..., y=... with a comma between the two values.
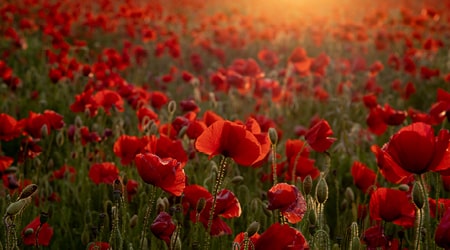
x=158, y=99
x=34, y=124
x=64, y=172
x=88, y=136
x=108, y=99
x=99, y=246
x=438, y=207
x=238, y=242
x=30, y=231
x=363, y=177
x=227, y=206
x=165, y=173
x=5, y=162
x=163, y=227
x=29, y=149
x=288, y=200
x=441, y=108
x=230, y=140
x=85, y=102
x=374, y=238
x=268, y=57
x=209, y=117
x=9, y=127
x=403, y=215
x=127, y=147
x=166, y=147
x=442, y=235
x=415, y=149
x=318, y=136
x=297, y=154
x=278, y=237
x=132, y=188
x=393, y=117
x=105, y=172
x=145, y=116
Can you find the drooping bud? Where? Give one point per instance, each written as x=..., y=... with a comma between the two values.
x=17, y=206
x=253, y=228
x=237, y=179
x=172, y=107
x=307, y=184
x=417, y=195
x=322, y=190
x=273, y=136
x=349, y=195
x=28, y=191
x=403, y=187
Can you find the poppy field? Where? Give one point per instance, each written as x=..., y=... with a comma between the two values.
x=191, y=124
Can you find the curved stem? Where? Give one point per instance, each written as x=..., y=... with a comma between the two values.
x=148, y=212
x=217, y=185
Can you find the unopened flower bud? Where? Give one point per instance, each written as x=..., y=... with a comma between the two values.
x=349, y=195
x=60, y=138
x=200, y=205
x=28, y=231
x=403, y=187
x=160, y=205
x=17, y=206
x=172, y=107
x=133, y=220
x=28, y=191
x=237, y=179
x=253, y=228
x=273, y=136
x=307, y=184
x=322, y=191
x=43, y=218
x=417, y=195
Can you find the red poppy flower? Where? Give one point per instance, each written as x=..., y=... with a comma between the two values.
x=85, y=101
x=168, y=148
x=318, y=136
x=297, y=154
x=105, y=172
x=268, y=57
x=227, y=206
x=65, y=171
x=108, y=99
x=166, y=173
x=442, y=235
x=300, y=61
x=5, y=162
x=446, y=182
x=415, y=149
x=279, y=237
x=34, y=124
x=403, y=215
x=438, y=207
x=230, y=140
x=195, y=129
x=441, y=108
x=145, y=115
x=209, y=117
x=238, y=242
x=288, y=200
x=163, y=227
x=374, y=237
x=29, y=149
x=132, y=188
x=87, y=136
x=99, y=246
x=158, y=99
x=9, y=128
x=363, y=177
x=375, y=121
x=127, y=147
x=29, y=233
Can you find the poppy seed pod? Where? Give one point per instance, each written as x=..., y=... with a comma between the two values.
x=28, y=191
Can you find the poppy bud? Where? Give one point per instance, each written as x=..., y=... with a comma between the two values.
x=417, y=195
x=312, y=217
x=237, y=179
x=43, y=218
x=17, y=206
x=322, y=191
x=172, y=107
x=28, y=191
x=200, y=205
x=307, y=184
x=78, y=122
x=349, y=195
x=133, y=220
x=403, y=187
x=160, y=205
x=253, y=228
x=273, y=136
x=60, y=138
x=10, y=170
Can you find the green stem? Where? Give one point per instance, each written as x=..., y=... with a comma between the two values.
x=217, y=185
x=148, y=212
x=274, y=164
x=425, y=210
